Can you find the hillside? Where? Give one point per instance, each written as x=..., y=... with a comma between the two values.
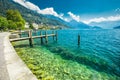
x=28, y=15
x=118, y=27
x=72, y=24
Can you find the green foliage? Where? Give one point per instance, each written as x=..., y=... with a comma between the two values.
x=20, y=25
x=13, y=21
x=12, y=25
x=3, y=23
x=15, y=16
x=31, y=26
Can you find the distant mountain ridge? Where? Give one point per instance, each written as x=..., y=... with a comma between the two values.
x=78, y=25
x=118, y=27
x=106, y=24
x=32, y=16
x=72, y=24
x=96, y=27
x=28, y=15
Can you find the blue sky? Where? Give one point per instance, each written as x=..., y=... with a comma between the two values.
x=79, y=6
x=86, y=11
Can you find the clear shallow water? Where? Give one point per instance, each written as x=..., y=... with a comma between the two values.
x=99, y=50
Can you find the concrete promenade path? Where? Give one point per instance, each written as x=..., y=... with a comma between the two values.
x=11, y=66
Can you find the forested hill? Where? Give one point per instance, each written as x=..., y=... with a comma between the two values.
x=28, y=15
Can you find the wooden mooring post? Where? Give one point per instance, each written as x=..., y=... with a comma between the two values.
x=30, y=38
x=41, y=37
x=53, y=36
x=78, y=39
x=46, y=37
x=56, y=34
x=20, y=33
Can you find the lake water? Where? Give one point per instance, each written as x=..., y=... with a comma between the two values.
x=99, y=51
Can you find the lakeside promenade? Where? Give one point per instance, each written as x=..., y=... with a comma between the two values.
x=11, y=66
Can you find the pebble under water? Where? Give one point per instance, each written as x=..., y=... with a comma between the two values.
x=97, y=57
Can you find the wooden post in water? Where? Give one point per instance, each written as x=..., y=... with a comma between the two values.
x=78, y=39
x=20, y=33
x=53, y=36
x=28, y=32
x=30, y=38
x=56, y=34
x=41, y=37
x=46, y=38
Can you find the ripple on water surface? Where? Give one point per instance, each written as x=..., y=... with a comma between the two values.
x=97, y=57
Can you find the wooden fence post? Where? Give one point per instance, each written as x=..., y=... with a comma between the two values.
x=30, y=38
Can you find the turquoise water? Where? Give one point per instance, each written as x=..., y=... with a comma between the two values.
x=99, y=50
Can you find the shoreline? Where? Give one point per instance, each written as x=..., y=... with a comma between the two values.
x=46, y=58
x=11, y=65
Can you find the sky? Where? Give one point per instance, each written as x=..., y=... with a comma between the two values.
x=86, y=11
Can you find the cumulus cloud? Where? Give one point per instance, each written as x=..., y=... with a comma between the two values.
x=27, y=4
x=101, y=19
x=67, y=19
x=46, y=11
x=74, y=17
x=31, y=6
x=49, y=11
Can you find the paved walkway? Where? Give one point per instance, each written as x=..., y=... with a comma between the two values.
x=3, y=68
x=11, y=66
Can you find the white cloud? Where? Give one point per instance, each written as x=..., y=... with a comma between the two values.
x=67, y=19
x=101, y=19
x=74, y=17
x=49, y=11
x=46, y=11
x=31, y=6
x=21, y=2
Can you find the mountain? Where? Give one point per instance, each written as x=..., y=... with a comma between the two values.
x=118, y=27
x=78, y=25
x=28, y=15
x=72, y=24
x=106, y=24
x=96, y=27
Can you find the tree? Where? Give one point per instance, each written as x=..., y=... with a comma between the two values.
x=12, y=25
x=20, y=25
x=3, y=23
x=31, y=26
x=15, y=16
